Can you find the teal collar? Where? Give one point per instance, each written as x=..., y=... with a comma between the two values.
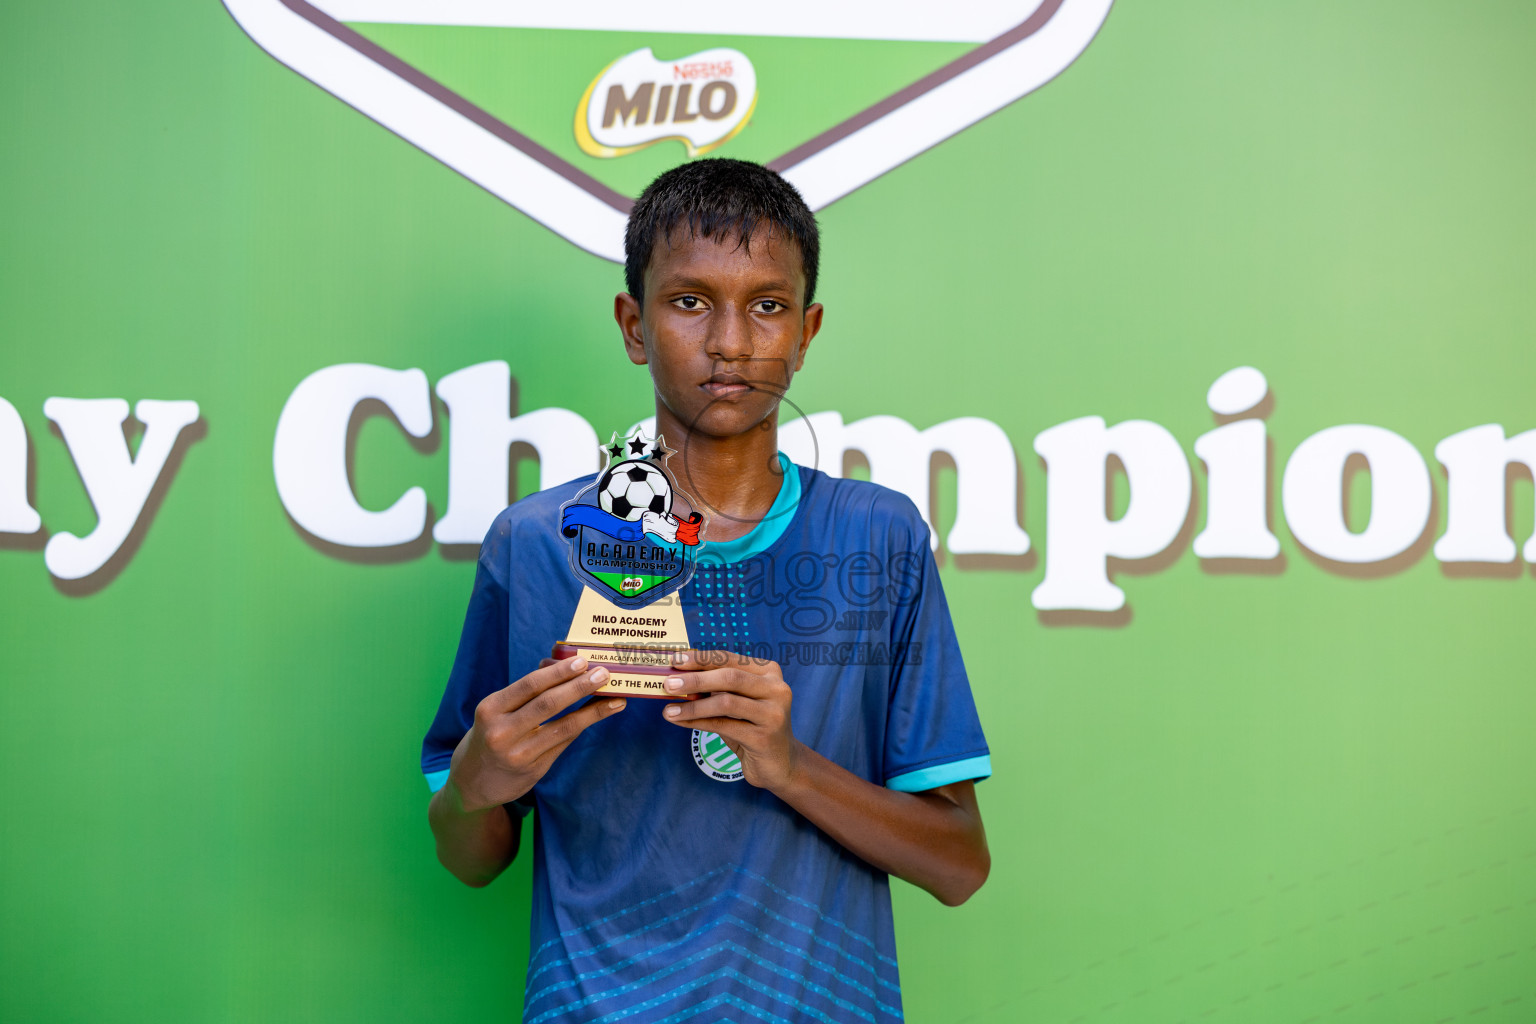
x=769, y=529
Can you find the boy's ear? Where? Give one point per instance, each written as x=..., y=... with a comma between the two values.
x=626, y=313
x=809, y=325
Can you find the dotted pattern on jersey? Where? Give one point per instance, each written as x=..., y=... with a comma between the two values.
x=720, y=593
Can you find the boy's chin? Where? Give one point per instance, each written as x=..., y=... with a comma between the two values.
x=736, y=421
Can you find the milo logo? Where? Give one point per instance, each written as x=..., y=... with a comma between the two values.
x=701, y=100
x=631, y=585
x=468, y=81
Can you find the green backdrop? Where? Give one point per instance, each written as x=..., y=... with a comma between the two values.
x=1288, y=796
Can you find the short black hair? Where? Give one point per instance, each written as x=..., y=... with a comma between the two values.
x=718, y=199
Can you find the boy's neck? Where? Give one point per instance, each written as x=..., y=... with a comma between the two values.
x=734, y=479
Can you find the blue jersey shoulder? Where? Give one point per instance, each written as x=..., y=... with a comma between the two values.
x=528, y=521
x=881, y=509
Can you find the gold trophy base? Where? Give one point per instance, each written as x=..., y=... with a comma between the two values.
x=635, y=646
x=631, y=671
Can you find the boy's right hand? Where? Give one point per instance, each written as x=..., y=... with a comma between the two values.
x=513, y=742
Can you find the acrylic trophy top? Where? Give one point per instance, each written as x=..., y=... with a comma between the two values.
x=634, y=535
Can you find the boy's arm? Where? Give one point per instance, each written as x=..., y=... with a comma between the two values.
x=513, y=742
x=475, y=846
x=933, y=839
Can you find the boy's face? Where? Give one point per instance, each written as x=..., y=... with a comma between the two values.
x=723, y=329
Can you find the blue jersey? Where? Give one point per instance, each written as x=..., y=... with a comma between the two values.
x=665, y=887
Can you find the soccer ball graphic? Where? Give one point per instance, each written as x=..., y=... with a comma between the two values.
x=630, y=489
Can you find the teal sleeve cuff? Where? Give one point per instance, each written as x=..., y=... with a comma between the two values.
x=942, y=775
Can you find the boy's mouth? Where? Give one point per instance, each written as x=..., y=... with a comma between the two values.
x=726, y=385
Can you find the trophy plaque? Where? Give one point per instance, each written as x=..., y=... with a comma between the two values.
x=634, y=538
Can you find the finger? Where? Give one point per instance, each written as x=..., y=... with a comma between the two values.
x=720, y=705
x=519, y=692
x=733, y=679
x=546, y=704
x=542, y=764
x=563, y=731
x=546, y=662
x=699, y=661
x=546, y=760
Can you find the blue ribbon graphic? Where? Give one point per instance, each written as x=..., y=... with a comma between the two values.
x=604, y=522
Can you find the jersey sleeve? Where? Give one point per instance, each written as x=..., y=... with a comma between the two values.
x=933, y=734
x=523, y=599
x=479, y=669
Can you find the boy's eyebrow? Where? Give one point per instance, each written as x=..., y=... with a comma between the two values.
x=704, y=284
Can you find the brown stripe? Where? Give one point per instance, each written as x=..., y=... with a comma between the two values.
x=449, y=98
x=1034, y=23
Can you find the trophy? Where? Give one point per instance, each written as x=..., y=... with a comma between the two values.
x=634, y=538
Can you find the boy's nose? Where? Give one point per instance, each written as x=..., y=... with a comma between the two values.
x=731, y=337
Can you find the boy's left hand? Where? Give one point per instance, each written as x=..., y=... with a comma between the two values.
x=747, y=704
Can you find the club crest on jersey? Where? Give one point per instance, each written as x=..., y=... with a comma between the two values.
x=715, y=758
x=627, y=542
x=701, y=100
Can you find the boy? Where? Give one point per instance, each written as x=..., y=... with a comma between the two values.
x=725, y=856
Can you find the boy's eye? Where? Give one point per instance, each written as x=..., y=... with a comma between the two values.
x=770, y=306
x=688, y=302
